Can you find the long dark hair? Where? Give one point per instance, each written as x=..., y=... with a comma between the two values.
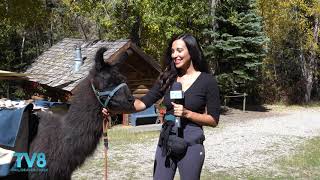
x=170, y=72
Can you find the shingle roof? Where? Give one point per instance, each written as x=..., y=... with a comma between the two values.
x=55, y=67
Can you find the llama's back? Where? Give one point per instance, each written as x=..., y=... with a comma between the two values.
x=48, y=119
x=50, y=139
x=45, y=132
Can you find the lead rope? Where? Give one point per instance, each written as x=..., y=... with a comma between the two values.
x=106, y=120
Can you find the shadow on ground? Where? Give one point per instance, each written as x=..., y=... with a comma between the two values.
x=225, y=110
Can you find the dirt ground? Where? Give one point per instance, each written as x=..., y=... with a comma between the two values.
x=257, y=112
x=258, y=129
x=231, y=115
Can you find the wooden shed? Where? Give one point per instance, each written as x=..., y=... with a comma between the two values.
x=55, y=67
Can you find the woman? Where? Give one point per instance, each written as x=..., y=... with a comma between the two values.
x=185, y=64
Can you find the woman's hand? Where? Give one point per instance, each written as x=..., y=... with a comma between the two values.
x=179, y=110
x=105, y=112
x=201, y=119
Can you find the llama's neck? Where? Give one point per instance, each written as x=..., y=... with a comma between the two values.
x=83, y=123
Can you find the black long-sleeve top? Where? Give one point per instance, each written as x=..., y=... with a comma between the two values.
x=202, y=93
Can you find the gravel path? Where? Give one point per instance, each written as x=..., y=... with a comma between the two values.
x=256, y=143
x=237, y=144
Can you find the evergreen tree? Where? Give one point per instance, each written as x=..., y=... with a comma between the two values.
x=235, y=46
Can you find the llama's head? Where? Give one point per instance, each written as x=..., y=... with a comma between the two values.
x=108, y=84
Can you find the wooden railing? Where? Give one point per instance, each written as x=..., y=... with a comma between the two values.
x=235, y=95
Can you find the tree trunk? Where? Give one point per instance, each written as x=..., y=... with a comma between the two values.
x=81, y=22
x=135, y=34
x=309, y=84
x=7, y=7
x=37, y=40
x=307, y=73
x=310, y=67
x=22, y=47
x=214, y=3
x=98, y=26
x=51, y=29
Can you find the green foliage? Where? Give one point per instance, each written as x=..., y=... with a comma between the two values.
x=291, y=64
x=281, y=67
x=148, y=23
x=18, y=18
x=27, y=27
x=7, y=55
x=236, y=46
x=19, y=93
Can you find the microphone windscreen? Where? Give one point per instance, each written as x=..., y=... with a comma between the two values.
x=176, y=86
x=176, y=91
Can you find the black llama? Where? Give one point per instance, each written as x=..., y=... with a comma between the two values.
x=67, y=141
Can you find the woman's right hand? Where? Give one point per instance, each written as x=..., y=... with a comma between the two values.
x=105, y=112
x=138, y=105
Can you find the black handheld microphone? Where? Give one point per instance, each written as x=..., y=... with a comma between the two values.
x=177, y=96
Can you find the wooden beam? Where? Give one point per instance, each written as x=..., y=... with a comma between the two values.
x=138, y=95
x=140, y=80
x=140, y=91
x=13, y=78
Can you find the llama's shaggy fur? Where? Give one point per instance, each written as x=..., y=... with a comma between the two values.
x=67, y=141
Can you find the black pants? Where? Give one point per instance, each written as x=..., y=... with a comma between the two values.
x=189, y=166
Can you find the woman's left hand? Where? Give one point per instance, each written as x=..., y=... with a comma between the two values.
x=179, y=110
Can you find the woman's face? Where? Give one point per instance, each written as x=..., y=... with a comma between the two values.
x=180, y=54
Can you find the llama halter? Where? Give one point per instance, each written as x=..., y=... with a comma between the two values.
x=109, y=94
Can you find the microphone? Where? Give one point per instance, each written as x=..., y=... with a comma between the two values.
x=177, y=96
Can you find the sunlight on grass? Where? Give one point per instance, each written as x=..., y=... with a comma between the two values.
x=304, y=164
x=125, y=135
x=118, y=137
x=281, y=107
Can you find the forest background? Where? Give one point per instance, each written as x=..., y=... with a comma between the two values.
x=268, y=49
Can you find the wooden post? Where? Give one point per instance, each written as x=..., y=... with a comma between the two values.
x=244, y=102
x=161, y=113
x=106, y=121
x=237, y=95
x=8, y=90
x=125, y=119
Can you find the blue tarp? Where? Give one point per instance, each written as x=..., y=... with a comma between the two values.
x=10, y=120
x=47, y=104
x=4, y=169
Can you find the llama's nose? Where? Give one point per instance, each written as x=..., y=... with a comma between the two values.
x=131, y=99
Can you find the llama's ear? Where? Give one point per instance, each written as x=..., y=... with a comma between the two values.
x=99, y=59
x=120, y=59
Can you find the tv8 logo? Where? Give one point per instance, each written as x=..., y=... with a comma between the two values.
x=40, y=159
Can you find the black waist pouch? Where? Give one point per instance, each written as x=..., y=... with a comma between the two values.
x=177, y=146
x=170, y=143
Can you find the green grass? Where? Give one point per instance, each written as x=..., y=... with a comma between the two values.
x=304, y=164
x=118, y=137
x=313, y=104
x=280, y=106
x=124, y=136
